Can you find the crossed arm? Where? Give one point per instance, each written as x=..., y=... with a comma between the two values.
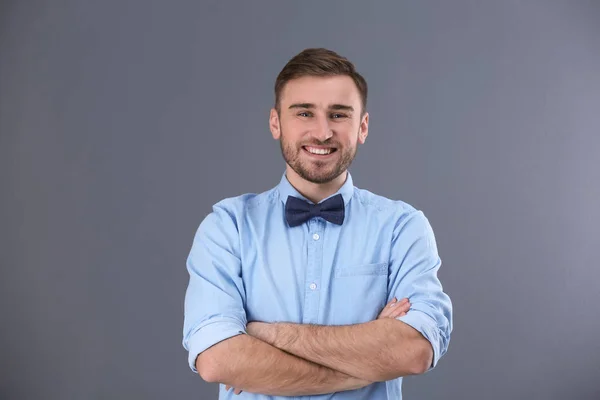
x=378, y=350
x=317, y=359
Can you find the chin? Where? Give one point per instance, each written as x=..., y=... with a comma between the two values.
x=322, y=177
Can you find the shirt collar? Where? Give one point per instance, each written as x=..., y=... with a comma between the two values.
x=286, y=189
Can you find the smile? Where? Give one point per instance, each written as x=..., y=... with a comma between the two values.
x=319, y=151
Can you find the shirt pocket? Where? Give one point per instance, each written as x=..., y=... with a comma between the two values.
x=363, y=269
x=358, y=293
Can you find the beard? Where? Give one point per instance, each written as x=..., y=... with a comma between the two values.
x=313, y=170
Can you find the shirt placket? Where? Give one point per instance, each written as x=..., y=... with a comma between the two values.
x=312, y=283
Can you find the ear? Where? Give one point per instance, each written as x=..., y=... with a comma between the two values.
x=274, y=124
x=363, y=131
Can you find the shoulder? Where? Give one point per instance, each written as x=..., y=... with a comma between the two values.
x=400, y=212
x=232, y=209
x=382, y=203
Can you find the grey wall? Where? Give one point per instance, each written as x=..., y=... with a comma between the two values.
x=122, y=122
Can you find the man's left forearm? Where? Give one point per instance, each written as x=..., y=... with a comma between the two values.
x=378, y=350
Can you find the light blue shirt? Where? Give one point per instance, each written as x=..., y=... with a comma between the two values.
x=246, y=264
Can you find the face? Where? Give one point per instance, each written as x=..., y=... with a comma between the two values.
x=319, y=126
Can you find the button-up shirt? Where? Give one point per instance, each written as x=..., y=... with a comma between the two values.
x=247, y=264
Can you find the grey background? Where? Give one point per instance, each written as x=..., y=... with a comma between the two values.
x=122, y=122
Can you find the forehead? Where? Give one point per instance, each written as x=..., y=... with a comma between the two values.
x=321, y=91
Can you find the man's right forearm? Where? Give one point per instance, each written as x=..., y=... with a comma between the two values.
x=252, y=365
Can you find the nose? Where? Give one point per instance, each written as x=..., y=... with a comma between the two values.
x=322, y=131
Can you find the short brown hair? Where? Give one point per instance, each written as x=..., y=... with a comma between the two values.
x=319, y=62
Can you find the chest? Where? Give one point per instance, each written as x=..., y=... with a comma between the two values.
x=318, y=272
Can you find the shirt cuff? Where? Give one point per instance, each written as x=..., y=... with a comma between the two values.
x=210, y=333
x=428, y=328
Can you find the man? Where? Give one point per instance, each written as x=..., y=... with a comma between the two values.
x=293, y=291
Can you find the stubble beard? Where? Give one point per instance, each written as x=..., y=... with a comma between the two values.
x=316, y=171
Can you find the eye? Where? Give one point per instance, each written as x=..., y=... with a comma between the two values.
x=304, y=114
x=338, y=116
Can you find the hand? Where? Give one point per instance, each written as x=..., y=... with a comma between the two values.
x=235, y=391
x=395, y=309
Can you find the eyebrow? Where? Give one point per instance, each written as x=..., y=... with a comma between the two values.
x=343, y=107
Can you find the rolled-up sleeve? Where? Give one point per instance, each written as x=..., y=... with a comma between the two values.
x=215, y=296
x=414, y=266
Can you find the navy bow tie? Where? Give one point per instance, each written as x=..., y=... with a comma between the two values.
x=298, y=211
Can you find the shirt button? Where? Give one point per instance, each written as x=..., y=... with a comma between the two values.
x=313, y=286
x=316, y=236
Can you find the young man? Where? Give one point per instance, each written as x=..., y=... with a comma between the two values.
x=288, y=288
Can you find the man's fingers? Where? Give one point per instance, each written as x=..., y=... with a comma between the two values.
x=399, y=310
x=387, y=309
x=398, y=303
x=395, y=309
x=235, y=391
x=404, y=307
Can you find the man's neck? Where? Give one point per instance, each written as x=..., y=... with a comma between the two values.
x=315, y=192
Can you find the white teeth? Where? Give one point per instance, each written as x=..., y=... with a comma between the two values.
x=318, y=151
